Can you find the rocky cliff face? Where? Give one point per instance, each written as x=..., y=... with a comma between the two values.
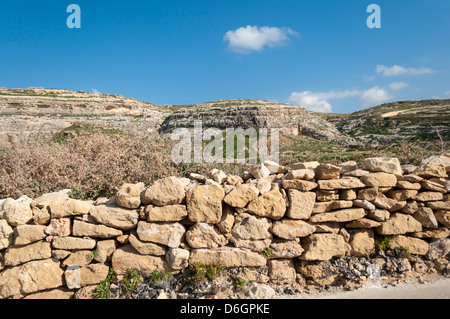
x=290, y=119
x=29, y=114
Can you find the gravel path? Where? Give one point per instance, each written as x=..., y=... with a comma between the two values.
x=439, y=289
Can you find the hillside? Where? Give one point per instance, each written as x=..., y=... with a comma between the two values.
x=290, y=119
x=28, y=115
x=426, y=120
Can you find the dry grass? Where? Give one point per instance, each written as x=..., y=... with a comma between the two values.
x=92, y=165
x=94, y=161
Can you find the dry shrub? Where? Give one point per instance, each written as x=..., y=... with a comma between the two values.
x=92, y=165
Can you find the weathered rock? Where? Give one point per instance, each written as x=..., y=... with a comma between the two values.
x=6, y=234
x=259, y=171
x=438, y=249
x=66, y=207
x=282, y=248
x=322, y=207
x=166, y=191
x=414, y=245
x=227, y=220
x=282, y=271
x=70, y=243
x=348, y=166
x=228, y=257
x=78, y=258
x=379, y=180
x=234, y=180
x=305, y=165
x=341, y=216
x=168, y=234
x=440, y=232
x=327, y=171
x=27, y=234
x=301, y=204
x=379, y=215
x=324, y=246
x=218, y=175
x=364, y=203
x=327, y=195
x=431, y=170
x=426, y=217
x=408, y=185
x=18, y=212
x=304, y=174
x=343, y=183
x=59, y=227
x=428, y=196
x=31, y=277
x=105, y=249
x=115, y=217
x=362, y=242
x=362, y=223
x=402, y=195
x=83, y=229
x=383, y=202
x=399, y=224
x=146, y=248
x=169, y=213
x=383, y=164
x=260, y=291
x=274, y=167
x=204, y=204
x=271, y=204
x=126, y=258
x=443, y=160
x=299, y=184
x=438, y=205
x=292, y=228
x=177, y=258
x=251, y=232
x=443, y=217
x=202, y=235
x=241, y=195
x=368, y=193
x=77, y=277
x=16, y=255
x=410, y=208
x=129, y=195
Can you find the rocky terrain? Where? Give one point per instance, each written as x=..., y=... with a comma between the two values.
x=29, y=114
x=273, y=230
x=291, y=119
x=411, y=120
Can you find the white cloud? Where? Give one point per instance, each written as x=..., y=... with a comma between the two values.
x=95, y=91
x=319, y=101
x=254, y=38
x=447, y=94
x=374, y=96
x=399, y=70
x=395, y=86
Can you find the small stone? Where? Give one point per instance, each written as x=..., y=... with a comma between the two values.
x=166, y=191
x=291, y=228
x=129, y=195
x=301, y=204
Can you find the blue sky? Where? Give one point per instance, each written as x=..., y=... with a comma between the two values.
x=315, y=53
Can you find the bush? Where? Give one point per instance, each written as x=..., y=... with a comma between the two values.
x=92, y=163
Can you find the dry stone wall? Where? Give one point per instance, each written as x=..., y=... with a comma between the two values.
x=281, y=218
